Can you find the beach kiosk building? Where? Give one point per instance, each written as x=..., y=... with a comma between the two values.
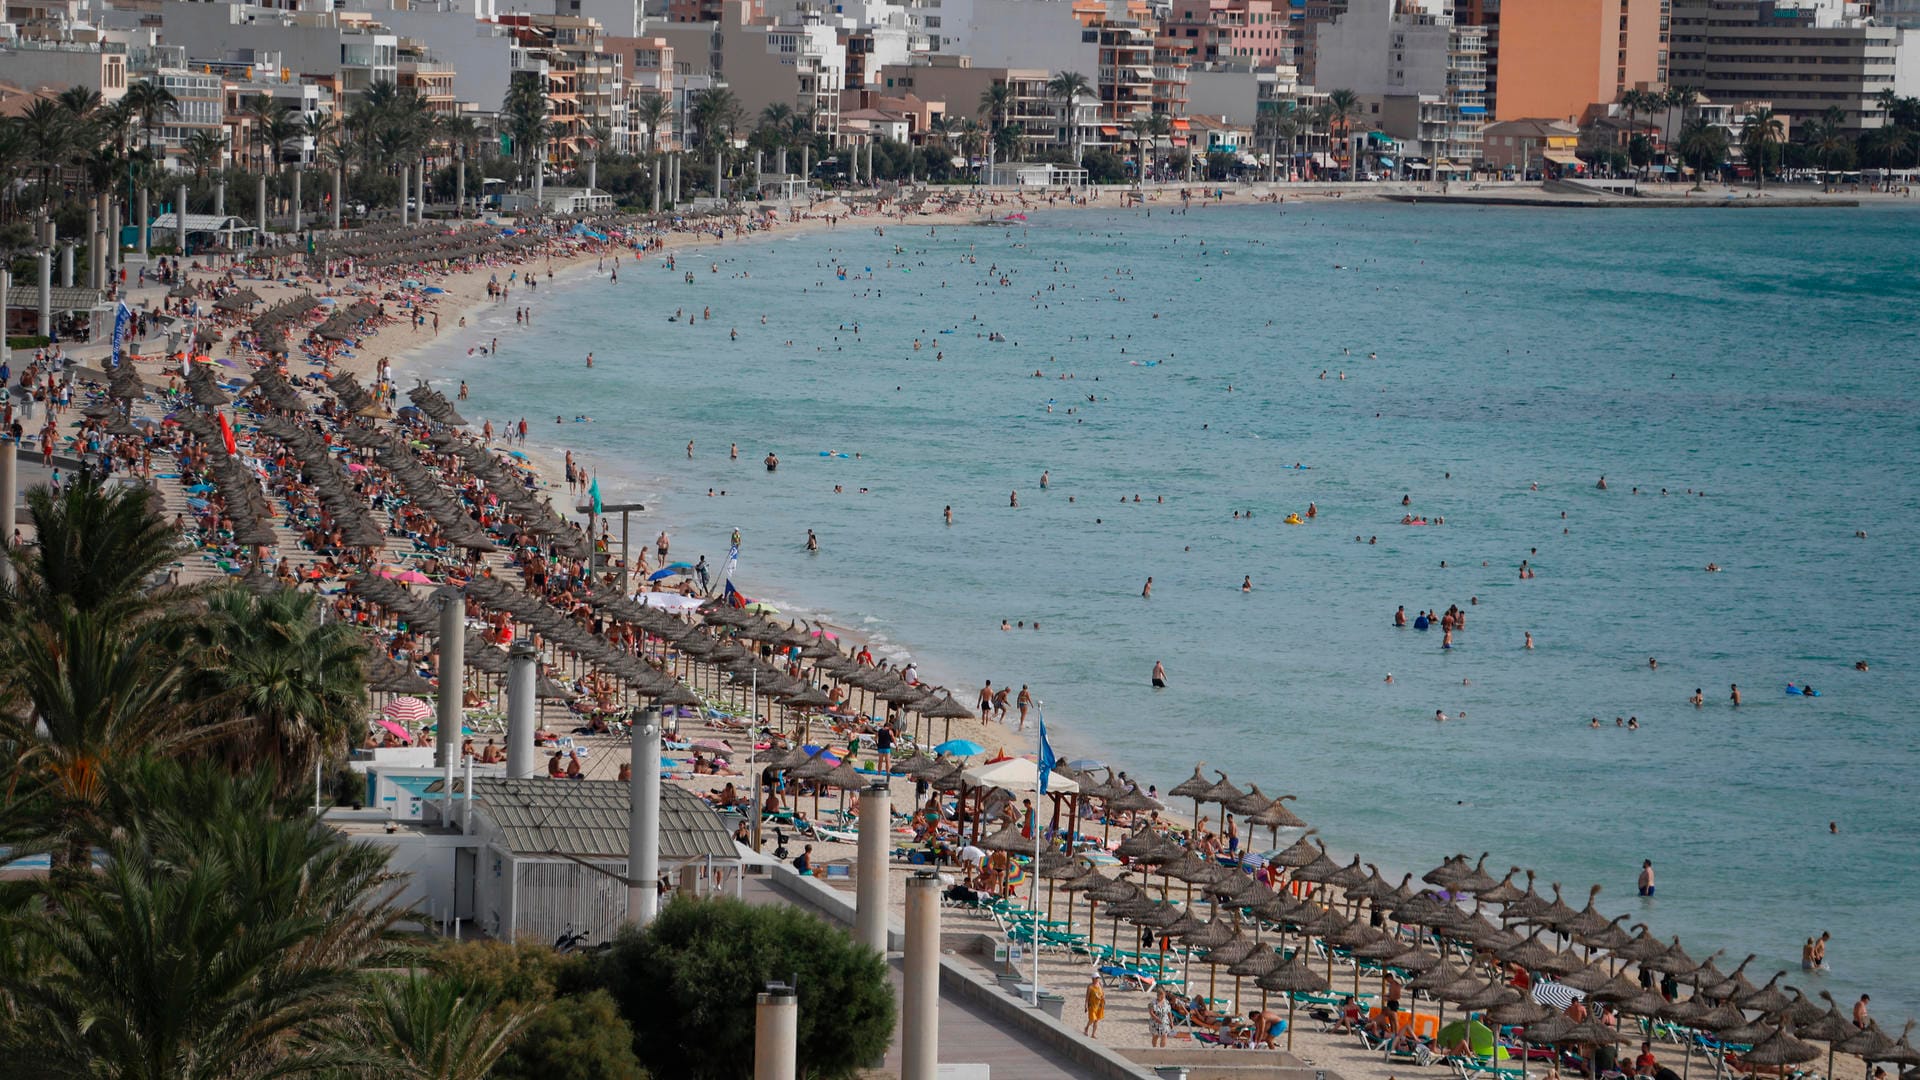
x=552, y=855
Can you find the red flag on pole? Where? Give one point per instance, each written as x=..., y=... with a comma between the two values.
x=226, y=434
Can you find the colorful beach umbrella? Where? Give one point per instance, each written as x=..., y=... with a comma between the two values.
x=407, y=710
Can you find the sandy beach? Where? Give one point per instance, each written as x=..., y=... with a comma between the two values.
x=464, y=292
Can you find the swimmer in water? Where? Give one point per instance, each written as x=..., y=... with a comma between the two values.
x=1246, y=583
x=1147, y=590
x=1529, y=643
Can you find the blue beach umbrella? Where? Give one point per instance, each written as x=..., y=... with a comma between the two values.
x=959, y=748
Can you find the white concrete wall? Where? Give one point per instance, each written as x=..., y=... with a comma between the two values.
x=1356, y=52
x=1233, y=94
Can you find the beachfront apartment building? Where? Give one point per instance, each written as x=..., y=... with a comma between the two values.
x=801, y=65
x=345, y=50
x=1517, y=148
x=648, y=65
x=32, y=63
x=1388, y=50
x=1805, y=59
x=1257, y=31
x=429, y=77
x=1563, y=57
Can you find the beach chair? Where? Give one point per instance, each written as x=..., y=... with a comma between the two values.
x=1479, y=1068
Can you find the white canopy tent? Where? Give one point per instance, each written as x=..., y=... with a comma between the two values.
x=1018, y=774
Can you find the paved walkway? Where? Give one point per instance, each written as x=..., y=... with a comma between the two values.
x=967, y=1036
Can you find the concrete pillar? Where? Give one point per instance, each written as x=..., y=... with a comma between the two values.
x=540, y=183
x=420, y=194
x=523, y=677
x=674, y=184
x=780, y=161
x=93, y=245
x=220, y=198
x=453, y=674
x=593, y=173
x=656, y=185
x=260, y=203
x=643, y=820
x=180, y=221
x=141, y=225
x=716, y=175
x=406, y=185
x=297, y=170
x=66, y=266
x=920, y=983
x=113, y=238
x=759, y=167
x=806, y=165
x=6, y=286
x=337, y=171
x=776, y=1034
x=460, y=186
x=9, y=485
x=44, y=264
x=870, y=896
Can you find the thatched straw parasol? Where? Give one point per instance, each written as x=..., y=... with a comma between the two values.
x=1290, y=978
x=1779, y=1048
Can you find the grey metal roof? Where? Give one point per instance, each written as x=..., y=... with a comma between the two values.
x=27, y=298
x=588, y=819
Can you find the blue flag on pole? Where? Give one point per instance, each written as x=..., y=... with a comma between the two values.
x=593, y=490
x=733, y=562
x=122, y=324
x=1046, y=755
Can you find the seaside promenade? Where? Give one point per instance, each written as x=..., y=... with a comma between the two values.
x=662, y=650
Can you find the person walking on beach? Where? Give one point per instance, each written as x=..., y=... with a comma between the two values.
x=1159, y=675
x=1646, y=877
x=1096, y=1006
x=660, y=545
x=1022, y=702
x=986, y=700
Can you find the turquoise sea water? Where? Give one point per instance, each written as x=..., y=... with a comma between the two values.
x=1767, y=359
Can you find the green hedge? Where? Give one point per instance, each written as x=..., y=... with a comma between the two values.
x=31, y=341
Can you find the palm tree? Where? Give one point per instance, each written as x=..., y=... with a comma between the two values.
x=1635, y=102
x=1828, y=139
x=972, y=139
x=1142, y=130
x=1067, y=86
x=204, y=149
x=1679, y=101
x=652, y=111
x=1160, y=126
x=90, y=695
x=151, y=103
x=1342, y=107
x=95, y=550
x=995, y=100
x=1273, y=126
x=1760, y=137
x=49, y=133
x=293, y=688
x=222, y=937
x=440, y=1026
x=1703, y=147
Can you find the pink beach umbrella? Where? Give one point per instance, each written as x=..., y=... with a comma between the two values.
x=407, y=710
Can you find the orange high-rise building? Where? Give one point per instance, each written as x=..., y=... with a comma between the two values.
x=1557, y=57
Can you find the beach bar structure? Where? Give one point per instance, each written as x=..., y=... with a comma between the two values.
x=1035, y=175
x=75, y=314
x=552, y=854
x=205, y=231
